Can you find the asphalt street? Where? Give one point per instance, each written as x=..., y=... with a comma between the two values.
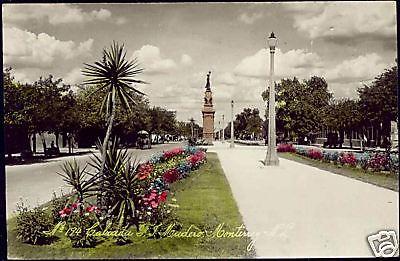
x=34, y=183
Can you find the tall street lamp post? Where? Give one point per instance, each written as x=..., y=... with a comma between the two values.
x=232, y=145
x=271, y=158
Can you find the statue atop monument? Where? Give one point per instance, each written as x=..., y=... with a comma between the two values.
x=208, y=113
x=208, y=81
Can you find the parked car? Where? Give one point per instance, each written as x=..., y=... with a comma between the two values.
x=143, y=140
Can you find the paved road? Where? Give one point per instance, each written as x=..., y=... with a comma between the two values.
x=35, y=183
x=295, y=210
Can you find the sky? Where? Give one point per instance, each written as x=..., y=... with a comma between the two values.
x=347, y=43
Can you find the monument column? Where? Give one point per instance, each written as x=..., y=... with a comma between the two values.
x=208, y=114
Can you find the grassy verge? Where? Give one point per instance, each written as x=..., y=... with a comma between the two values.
x=388, y=181
x=205, y=201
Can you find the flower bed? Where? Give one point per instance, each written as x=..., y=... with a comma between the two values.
x=286, y=147
x=138, y=192
x=376, y=162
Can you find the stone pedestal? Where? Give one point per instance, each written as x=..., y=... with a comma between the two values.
x=208, y=124
x=208, y=114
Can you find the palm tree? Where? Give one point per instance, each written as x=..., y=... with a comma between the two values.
x=114, y=75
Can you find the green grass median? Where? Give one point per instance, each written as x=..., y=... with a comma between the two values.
x=385, y=180
x=204, y=202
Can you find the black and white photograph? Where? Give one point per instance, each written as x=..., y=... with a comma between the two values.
x=199, y=130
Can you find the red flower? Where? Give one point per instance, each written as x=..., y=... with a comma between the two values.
x=91, y=209
x=172, y=153
x=284, y=147
x=145, y=170
x=315, y=154
x=163, y=196
x=171, y=175
x=65, y=212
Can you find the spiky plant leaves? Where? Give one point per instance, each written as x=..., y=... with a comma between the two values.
x=83, y=182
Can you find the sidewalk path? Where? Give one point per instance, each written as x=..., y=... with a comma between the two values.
x=302, y=211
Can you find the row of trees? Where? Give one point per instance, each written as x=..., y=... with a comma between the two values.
x=49, y=105
x=306, y=107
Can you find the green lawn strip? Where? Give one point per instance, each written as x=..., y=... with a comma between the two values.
x=385, y=180
x=205, y=201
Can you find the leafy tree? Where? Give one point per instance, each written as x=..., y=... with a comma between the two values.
x=343, y=115
x=378, y=102
x=300, y=105
x=248, y=123
x=17, y=120
x=47, y=105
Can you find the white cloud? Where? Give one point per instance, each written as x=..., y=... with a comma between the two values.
x=22, y=77
x=150, y=58
x=74, y=77
x=343, y=78
x=186, y=60
x=225, y=79
x=291, y=63
x=25, y=49
x=55, y=14
x=250, y=18
x=121, y=20
x=360, y=68
x=102, y=14
x=346, y=20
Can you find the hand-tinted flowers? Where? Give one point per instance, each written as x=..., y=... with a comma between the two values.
x=285, y=147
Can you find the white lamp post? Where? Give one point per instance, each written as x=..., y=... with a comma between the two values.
x=271, y=158
x=232, y=145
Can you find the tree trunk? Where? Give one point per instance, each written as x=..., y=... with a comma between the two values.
x=350, y=139
x=34, y=143
x=69, y=143
x=56, y=134
x=43, y=141
x=100, y=200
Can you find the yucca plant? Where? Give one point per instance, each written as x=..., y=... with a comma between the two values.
x=84, y=183
x=119, y=183
x=114, y=74
x=126, y=191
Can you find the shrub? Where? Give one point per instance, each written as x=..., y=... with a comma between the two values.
x=378, y=162
x=363, y=159
x=301, y=151
x=348, y=158
x=31, y=225
x=394, y=163
x=79, y=218
x=315, y=154
x=284, y=147
x=330, y=156
x=56, y=204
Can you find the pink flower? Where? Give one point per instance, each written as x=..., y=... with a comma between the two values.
x=152, y=196
x=154, y=204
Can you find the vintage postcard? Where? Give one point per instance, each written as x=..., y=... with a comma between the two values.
x=200, y=130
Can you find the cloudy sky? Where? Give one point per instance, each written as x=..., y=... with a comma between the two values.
x=177, y=44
